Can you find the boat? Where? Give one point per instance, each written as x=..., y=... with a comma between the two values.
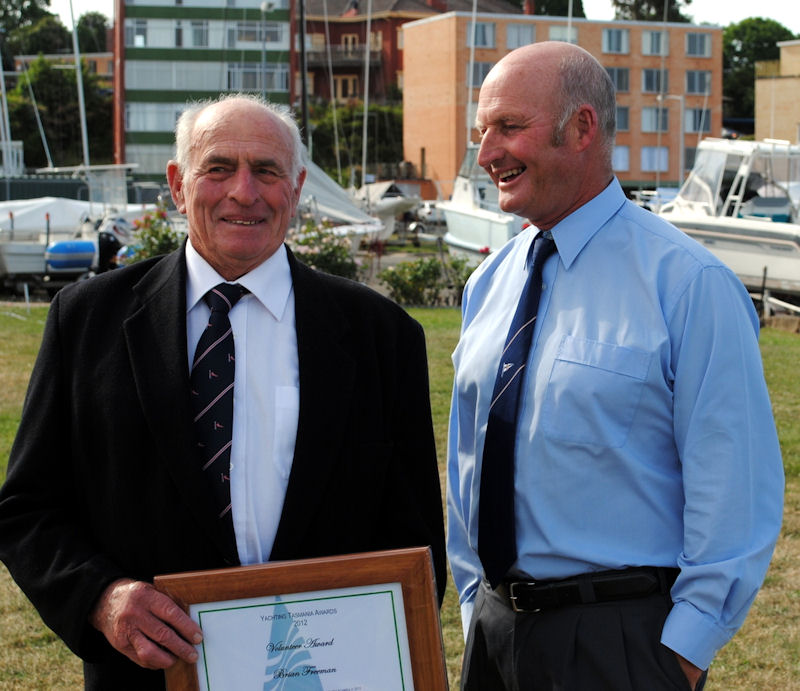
x=324, y=202
x=387, y=201
x=44, y=240
x=475, y=224
x=741, y=200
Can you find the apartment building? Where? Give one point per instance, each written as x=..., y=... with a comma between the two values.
x=169, y=52
x=668, y=79
x=777, y=88
x=336, y=42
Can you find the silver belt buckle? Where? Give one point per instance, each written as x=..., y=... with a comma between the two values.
x=513, y=597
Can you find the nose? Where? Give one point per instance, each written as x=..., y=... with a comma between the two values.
x=243, y=187
x=489, y=150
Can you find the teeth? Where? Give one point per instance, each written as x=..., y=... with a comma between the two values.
x=242, y=223
x=509, y=173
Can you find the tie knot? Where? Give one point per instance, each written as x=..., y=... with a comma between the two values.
x=543, y=246
x=222, y=297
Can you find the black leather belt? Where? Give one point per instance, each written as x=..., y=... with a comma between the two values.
x=589, y=588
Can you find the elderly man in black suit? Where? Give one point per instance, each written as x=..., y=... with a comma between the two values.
x=113, y=477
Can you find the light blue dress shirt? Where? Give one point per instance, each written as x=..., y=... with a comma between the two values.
x=645, y=435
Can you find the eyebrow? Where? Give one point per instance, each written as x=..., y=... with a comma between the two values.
x=258, y=163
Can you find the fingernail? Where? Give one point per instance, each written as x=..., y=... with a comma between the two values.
x=198, y=639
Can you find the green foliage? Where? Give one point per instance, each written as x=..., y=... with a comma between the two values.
x=155, y=235
x=56, y=95
x=744, y=44
x=45, y=35
x=651, y=10
x=426, y=281
x=91, y=29
x=15, y=14
x=320, y=248
x=559, y=8
x=384, y=137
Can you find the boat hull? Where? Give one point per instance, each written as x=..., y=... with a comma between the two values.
x=764, y=255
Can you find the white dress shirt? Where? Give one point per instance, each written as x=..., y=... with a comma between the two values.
x=266, y=385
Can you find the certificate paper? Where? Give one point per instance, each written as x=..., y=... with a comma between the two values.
x=347, y=639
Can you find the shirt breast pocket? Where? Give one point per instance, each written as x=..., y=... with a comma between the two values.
x=593, y=392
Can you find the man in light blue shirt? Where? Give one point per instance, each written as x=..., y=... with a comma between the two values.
x=648, y=480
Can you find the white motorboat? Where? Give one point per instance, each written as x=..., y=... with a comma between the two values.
x=475, y=224
x=740, y=201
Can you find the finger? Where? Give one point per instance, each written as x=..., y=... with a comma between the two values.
x=169, y=640
x=167, y=610
x=146, y=653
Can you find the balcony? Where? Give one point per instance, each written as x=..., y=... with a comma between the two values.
x=341, y=56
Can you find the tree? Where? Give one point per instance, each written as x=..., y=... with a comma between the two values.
x=45, y=35
x=743, y=44
x=92, y=29
x=651, y=10
x=15, y=14
x=56, y=95
x=559, y=8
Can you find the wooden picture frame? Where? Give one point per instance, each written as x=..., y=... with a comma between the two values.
x=412, y=568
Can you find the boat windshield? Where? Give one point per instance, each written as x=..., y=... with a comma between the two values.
x=712, y=169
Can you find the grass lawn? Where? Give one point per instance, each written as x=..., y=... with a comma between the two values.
x=764, y=654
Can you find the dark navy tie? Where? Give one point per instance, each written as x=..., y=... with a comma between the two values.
x=497, y=545
x=212, y=395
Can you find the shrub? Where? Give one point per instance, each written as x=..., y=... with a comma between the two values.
x=154, y=235
x=320, y=248
x=414, y=283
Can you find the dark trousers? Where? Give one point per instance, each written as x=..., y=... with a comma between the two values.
x=596, y=647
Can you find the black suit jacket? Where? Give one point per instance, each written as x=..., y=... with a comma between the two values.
x=102, y=482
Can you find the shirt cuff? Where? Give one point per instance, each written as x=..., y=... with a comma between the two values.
x=691, y=634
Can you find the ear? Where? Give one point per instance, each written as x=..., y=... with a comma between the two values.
x=175, y=180
x=585, y=126
x=298, y=188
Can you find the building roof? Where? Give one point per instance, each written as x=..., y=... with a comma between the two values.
x=338, y=8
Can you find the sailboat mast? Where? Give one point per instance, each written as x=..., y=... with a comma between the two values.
x=367, y=41
x=79, y=81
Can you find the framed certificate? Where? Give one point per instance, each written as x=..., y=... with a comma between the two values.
x=343, y=623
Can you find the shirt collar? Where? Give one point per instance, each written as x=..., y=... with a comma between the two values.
x=573, y=233
x=270, y=282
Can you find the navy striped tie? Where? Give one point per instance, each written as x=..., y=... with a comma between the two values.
x=212, y=395
x=497, y=545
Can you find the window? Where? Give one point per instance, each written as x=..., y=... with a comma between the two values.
x=652, y=81
x=654, y=159
x=484, y=34
x=623, y=116
x=620, y=158
x=698, y=81
x=655, y=119
x=697, y=120
x=178, y=35
x=655, y=43
x=620, y=78
x=200, y=34
x=479, y=72
x=350, y=42
x=345, y=86
x=248, y=76
x=698, y=45
x=559, y=33
x=518, y=35
x=136, y=33
x=615, y=41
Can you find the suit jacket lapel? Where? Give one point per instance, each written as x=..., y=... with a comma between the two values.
x=156, y=336
x=327, y=376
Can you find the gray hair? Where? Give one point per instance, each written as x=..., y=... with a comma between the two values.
x=585, y=80
x=184, y=127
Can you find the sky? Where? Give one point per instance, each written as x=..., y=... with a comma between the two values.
x=784, y=11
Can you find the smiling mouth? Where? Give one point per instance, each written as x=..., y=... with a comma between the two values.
x=508, y=175
x=242, y=222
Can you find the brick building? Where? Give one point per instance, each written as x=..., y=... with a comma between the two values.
x=668, y=79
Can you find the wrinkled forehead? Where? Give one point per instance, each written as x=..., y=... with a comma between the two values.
x=241, y=128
